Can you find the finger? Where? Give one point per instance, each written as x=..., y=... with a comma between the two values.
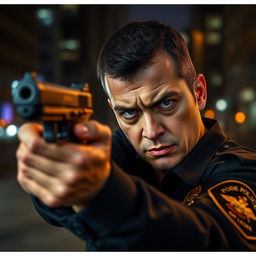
x=61, y=154
x=22, y=149
x=92, y=131
x=42, y=193
x=38, y=146
x=40, y=181
x=58, y=169
x=22, y=177
x=29, y=133
x=52, y=184
x=27, y=172
x=36, y=161
x=30, y=136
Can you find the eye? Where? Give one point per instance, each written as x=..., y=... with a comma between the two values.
x=130, y=114
x=166, y=104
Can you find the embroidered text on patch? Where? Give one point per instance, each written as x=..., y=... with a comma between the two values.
x=238, y=202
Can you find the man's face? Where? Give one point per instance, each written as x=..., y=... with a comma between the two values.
x=158, y=113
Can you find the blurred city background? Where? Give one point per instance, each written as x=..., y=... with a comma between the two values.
x=61, y=43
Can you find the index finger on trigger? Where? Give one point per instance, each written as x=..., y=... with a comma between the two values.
x=30, y=133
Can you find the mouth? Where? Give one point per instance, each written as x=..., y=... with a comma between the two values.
x=160, y=151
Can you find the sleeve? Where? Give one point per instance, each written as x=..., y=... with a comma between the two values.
x=131, y=215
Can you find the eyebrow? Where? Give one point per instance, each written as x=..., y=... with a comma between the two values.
x=120, y=108
x=163, y=97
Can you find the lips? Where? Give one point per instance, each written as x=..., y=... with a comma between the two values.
x=160, y=151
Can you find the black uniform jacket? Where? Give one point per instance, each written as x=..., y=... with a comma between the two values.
x=207, y=202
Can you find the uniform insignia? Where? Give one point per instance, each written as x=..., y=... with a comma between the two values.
x=192, y=195
x=238, y=203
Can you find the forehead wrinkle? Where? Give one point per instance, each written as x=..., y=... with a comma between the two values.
x=145, y=99
x=129, y=99
x=155, y=94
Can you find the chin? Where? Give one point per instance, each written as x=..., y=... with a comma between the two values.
x=163, y=164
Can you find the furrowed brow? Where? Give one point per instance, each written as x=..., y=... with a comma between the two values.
x=120, y=108
x=163, y=97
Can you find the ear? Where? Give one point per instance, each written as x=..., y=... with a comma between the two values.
x=200, y=91
x=110, y=103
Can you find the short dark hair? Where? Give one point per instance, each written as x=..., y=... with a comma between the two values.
x=134, y=45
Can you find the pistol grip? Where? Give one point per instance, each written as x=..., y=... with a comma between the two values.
x=58, y=131
x=49, y=132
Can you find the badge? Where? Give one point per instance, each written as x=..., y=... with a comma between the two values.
x=192, y=195
x=237, y=202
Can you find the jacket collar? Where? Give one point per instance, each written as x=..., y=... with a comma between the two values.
x=192, y=167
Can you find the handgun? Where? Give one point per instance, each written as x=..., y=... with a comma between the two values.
x=58, y=107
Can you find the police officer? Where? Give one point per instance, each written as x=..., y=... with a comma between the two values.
x=171, y=180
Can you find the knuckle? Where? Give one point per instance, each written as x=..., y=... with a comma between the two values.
x=23, y=154
x=71, y=177
x=18, y=152
x=80, y=159
x=51, y=201
x=61, y=191
x=20, y=178
x=24, y=157
x=23, y=181
x=22, y=169
x=35, y=145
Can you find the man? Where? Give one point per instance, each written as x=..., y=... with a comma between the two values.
x=170, y=181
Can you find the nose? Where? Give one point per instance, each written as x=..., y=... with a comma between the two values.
x=152, y=128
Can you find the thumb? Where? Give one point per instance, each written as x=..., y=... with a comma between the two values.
x=92, y=131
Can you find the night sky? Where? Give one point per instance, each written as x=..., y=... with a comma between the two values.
x=177, y=16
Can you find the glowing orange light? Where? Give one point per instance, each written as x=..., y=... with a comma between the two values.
x=240, y=117
x=3, y=123
x=209, y=114
x=198, y=36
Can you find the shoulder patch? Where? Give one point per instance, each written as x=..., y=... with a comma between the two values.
x=237, y=202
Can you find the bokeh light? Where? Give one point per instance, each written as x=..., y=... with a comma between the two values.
x=240, y=117
x=209, y=113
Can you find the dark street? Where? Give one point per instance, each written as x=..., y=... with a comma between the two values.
x=21, y=228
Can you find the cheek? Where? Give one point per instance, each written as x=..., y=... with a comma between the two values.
x=188, y=110
x=177, y=128
x=181, y=124
x=187, y=126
